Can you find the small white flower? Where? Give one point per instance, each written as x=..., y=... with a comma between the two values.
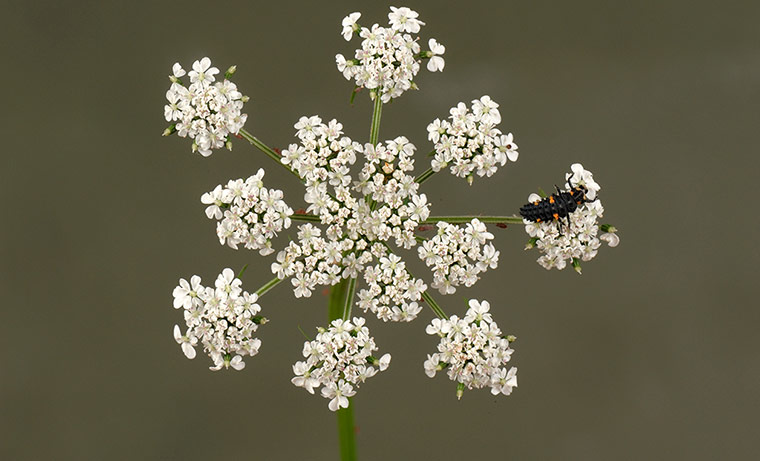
x=349, y=25
x=237, y=363
x=187, y=342
x=436, y=62
x=185, y=293
x=178, y=71
x=581, y=176
x=385, y=361
x=611, y=238
x=404, y=20
x=203, y=72
x=504, y=381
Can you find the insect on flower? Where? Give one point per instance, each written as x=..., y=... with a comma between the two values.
x=557, y=206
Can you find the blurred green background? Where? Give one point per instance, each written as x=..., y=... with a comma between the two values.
x=650, y=354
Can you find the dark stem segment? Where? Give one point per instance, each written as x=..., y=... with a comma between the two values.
x=466, y=219
x=305, y=217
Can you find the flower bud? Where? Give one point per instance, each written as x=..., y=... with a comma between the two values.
x=169, y=130
x=531, y=243
x=511, y=338
x=608, y=228
x=228, y=145
x=460, y=391
x=230, y=71
x=577, y=265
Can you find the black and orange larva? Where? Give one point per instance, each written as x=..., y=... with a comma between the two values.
x=555, y=207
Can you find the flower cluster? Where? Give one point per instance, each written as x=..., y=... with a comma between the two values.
x=323, y=155
x=390, y=57
x=356, y=229
x=206, y=111
x=457, y=255
x=470, y=142
x=222, y=318
x=578, y=241
x=473, y=350
x=339, y=359
x=391, y=293
x=248, y=213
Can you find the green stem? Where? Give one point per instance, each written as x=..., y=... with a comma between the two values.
x=374, y=129
x=466, y=219
x=268, y=286
x=349, y=299
x=267, y=150
x=425, y=175
x=433, y=305
x=346, y=435
x=346, y=432
x=305, y=217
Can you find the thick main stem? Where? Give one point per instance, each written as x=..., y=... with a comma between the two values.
x=349, y=299
x=346, y=435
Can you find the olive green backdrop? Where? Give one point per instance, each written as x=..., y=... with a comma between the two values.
x=650, y=354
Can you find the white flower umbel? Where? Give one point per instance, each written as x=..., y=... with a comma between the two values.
x=469, y=141
x=457, y=254
x=206, y=110
x=340, y=359
x=248, y=213
x=389, y=57
x=473, y=351
x=223, y=318
x=386, y=208
x=579, y=241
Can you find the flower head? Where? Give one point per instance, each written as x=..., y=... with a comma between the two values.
x=469, y=141
x=473, y=350
x=359, y=217
x=222, y=318
x=206, y=110
x=339, y=359
x=389, y=57
x=248, y=213
x=579, y=240
x=457, y=254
